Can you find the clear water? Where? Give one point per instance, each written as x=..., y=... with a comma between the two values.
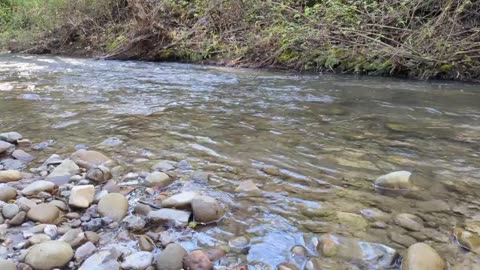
x=326, y=138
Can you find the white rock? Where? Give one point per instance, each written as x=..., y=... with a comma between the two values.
x=37, y=187
x=82, y=196
x=138, y=261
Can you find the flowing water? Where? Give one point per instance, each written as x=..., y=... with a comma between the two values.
x=314, y=144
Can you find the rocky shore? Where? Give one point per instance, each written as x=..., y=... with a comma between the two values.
x=83, y=212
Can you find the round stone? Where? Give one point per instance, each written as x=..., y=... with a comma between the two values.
x=113, y=205
x=44, y=213
x=49, y=255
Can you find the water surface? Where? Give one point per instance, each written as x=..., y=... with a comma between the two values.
x=312, y=143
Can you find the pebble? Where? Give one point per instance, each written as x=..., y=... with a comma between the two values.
x=99, y=174
x=25, y=204
x=7, y=193
x=4, y=146
x=142, y=209
x=38, y=238
x=165, y=215
x=421, y=256
x=63, y=172
x=197, y=260
x=82, y=196
x=18, y=219
x=88, y=159
x=158, y=179
x=113, y=205
x=74, y=237
x=146, y=243
x=11, y=137
x=102, y=260
x=84, y=251
x=181, y=201
x=10, y=210
x=135, y=223
x=22, y=156
x=171, y=258
x=206, y=209
x=409, y=222
x=10, y=176
x=7, y=265
x=49, y=255
x=248, y=187
x=138, y=261
x=37, y=187
x=92, y=237
x=163, y=166
x=44, y=213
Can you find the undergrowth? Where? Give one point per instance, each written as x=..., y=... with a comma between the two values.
x=416, y=38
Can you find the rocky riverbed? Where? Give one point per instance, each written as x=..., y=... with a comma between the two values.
x=82, y=211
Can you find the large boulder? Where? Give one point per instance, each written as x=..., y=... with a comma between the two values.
x=10, y=176
x=171, y=258
x=89, y=159
x=113, y=205
x=421, y=256
x=48, y=255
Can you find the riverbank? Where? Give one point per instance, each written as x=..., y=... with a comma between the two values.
x=415, y=39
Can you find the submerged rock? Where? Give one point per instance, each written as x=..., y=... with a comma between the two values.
x=409, y=222
x=467, y=240
x=206, y=209
x=89, y=159
x=372, y=254
x=10, y=176
x=138, y=261
x=248, y=187
x=182, y=200
x=48, y=255
x=171, y=258
x=394, y=183
x=166, y=215
x=197, y=260
x=158, y=179
x=113, y=205
x=421, y=256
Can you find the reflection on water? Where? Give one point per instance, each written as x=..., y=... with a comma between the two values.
x=313, y=144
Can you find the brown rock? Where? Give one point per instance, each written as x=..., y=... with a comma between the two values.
x=421, y=256
x=44, y=213
x=88, y=159
x=197, y=260
x=10, y=176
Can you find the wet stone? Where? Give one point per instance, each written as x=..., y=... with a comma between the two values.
x=409, y=222
x=197, y=260
x=146, y=243
x=421, y=256
x=22, y=156
x=137, y=261
x=171, y=258
x=394, y=183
